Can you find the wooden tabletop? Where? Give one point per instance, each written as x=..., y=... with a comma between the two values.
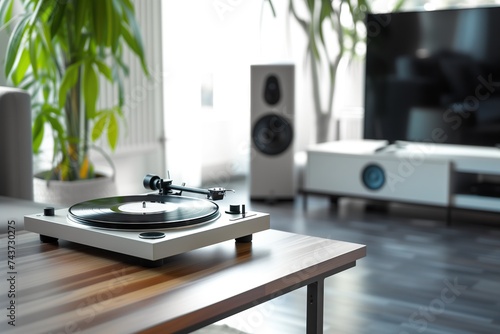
x=70, y=288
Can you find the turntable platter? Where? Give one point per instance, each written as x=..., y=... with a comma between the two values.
x=144, y=212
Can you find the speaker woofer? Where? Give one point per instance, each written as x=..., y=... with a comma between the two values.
x=373, y=177
x=272, y=134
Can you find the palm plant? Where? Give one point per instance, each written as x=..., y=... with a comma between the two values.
x=58, y=51
x=342, y=19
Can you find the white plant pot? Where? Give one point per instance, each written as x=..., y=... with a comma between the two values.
x=68, y=193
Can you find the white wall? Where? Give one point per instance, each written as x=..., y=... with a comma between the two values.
x=220, y=39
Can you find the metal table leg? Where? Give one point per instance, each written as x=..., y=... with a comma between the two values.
x=315, y=303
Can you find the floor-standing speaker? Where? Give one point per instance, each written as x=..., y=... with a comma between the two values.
x=272, y=108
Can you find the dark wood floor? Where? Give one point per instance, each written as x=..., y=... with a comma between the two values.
x=420, y=276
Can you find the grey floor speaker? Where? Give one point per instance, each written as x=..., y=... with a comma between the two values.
x=272, y=105
x=16, y=167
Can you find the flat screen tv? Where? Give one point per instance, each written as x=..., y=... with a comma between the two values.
x=434, y=76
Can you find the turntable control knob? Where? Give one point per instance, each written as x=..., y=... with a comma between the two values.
x=234, y=209
x=49, y=211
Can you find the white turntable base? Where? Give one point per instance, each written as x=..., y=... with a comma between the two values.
x=176, y=240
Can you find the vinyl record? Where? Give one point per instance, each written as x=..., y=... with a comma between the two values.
x=144, y=212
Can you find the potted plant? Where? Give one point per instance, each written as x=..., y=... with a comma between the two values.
x=345, y=18
x=58, y=51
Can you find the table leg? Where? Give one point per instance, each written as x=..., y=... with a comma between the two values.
x=448, y=215
x=315, y=304
x=304, y=201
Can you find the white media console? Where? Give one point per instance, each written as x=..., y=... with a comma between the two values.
x=451, y=176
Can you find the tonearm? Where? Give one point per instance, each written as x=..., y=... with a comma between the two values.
x=165, y=186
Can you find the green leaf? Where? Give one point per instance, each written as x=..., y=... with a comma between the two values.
x=50, y=109
x=125, y=69
x=58, y=128
x=27, y=82
x=44, y=63
x=112, y=131
x=14, y=45
x=69, y=80
x=99, y=127
x=33, y=46
x=57, y=16
x=22, y=65
x=99, y=20
x=121, y=92
x=108, y=23
x=310, y=5
x=6, y=10
x=129, y=39
x=104, y=69
x=38, y=131
x=42, y=8
x=46, y=92
x=398, y=5
x=35, y=13
x=127, y=3
x=313, y=48
x=56, y=125
x=103, y=22
x=90, y=89
x=46, y=40
x=136, y=36
x=116, y=25
x=81, y=13
x=325, y=12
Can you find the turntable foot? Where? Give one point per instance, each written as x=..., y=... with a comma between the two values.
x=47, y=239
x=246, y=238
x=151, y=263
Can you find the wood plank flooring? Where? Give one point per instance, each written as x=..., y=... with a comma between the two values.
x=420, y=276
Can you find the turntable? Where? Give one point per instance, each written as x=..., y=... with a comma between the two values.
x=151, y=226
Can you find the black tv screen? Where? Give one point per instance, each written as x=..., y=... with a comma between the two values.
x=434, y=76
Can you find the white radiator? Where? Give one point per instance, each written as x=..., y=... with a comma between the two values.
x=349, y=123
x=143, y=107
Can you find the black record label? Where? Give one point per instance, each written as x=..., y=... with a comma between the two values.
x=144, y=212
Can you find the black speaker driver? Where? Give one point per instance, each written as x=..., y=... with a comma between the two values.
x=373, y=177
x=272, y=134
x=272, y=91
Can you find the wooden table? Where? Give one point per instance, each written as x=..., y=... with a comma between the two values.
x=70, y=288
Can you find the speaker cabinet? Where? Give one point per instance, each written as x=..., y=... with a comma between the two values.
x=272, y=108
